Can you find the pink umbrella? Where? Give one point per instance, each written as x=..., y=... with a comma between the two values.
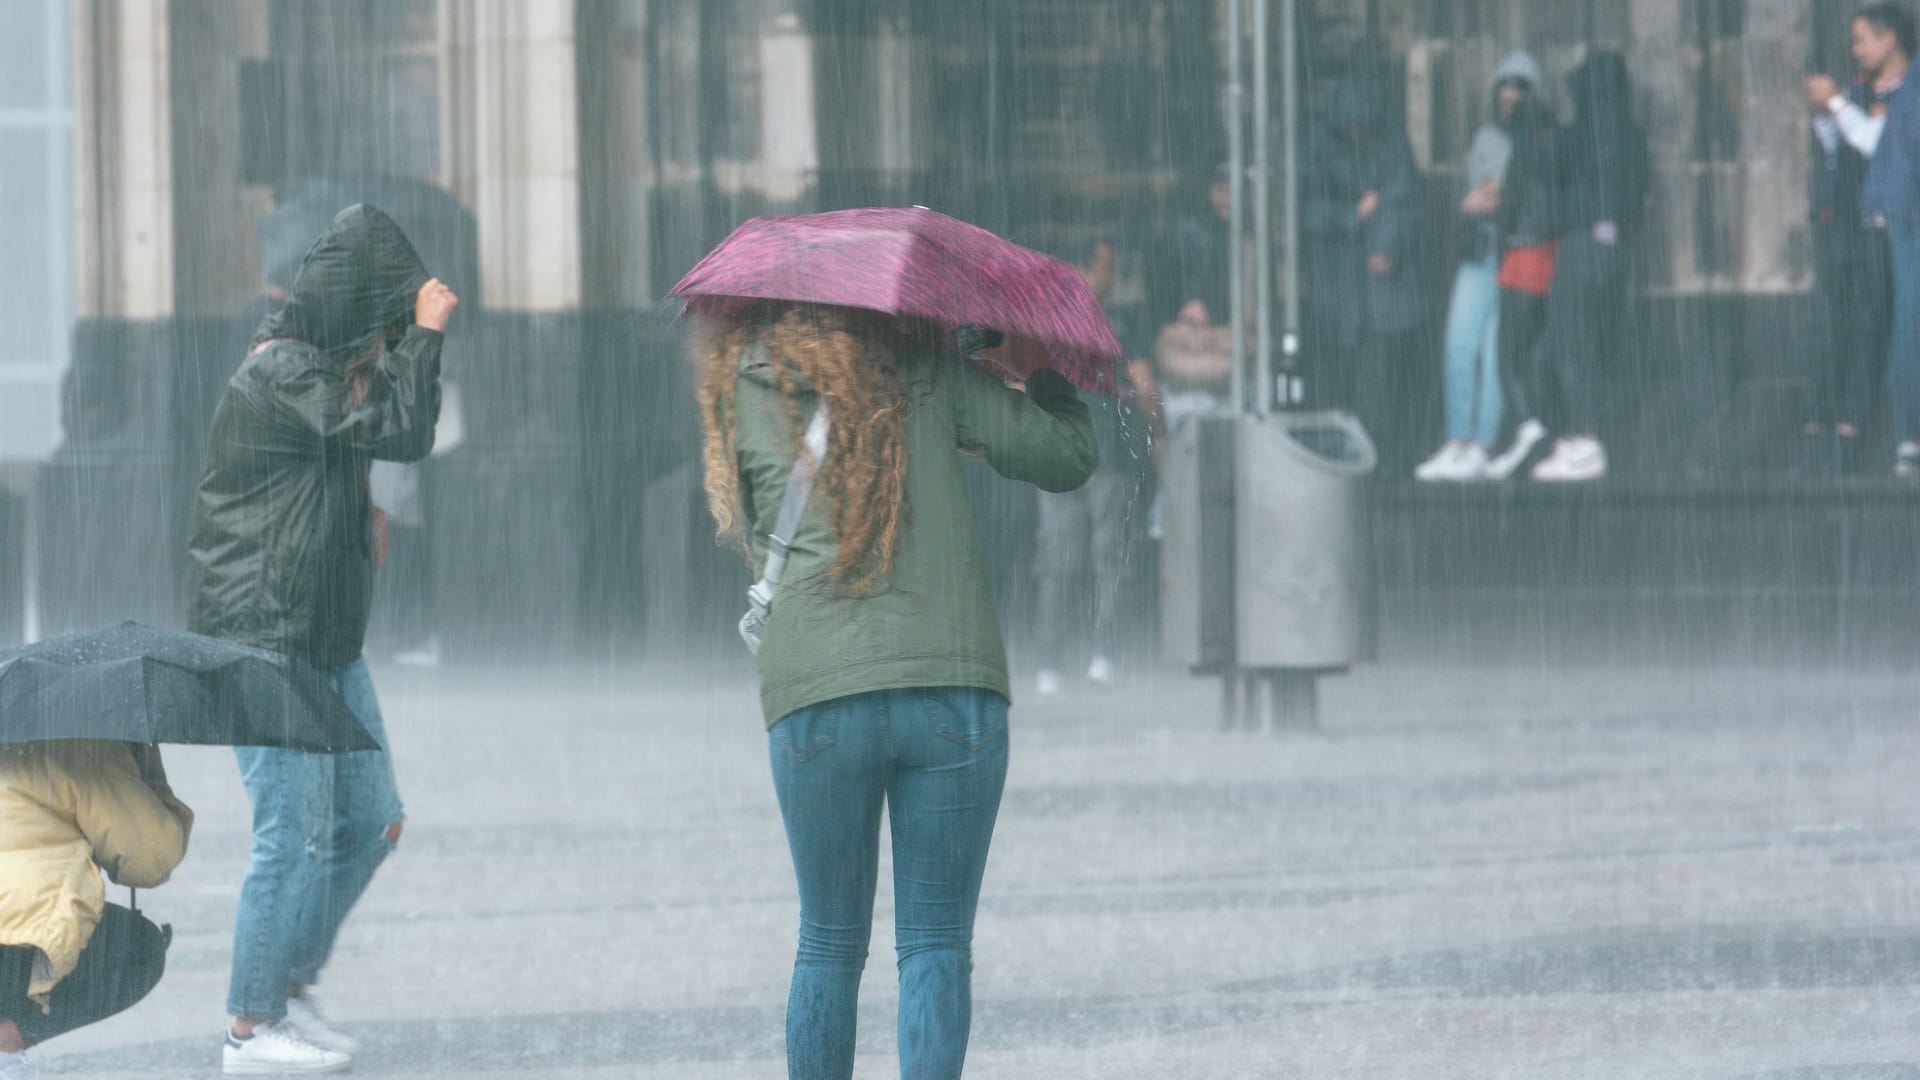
x=913, y=262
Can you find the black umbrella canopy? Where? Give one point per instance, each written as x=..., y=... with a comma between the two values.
x=138, y=684
x=439, y=226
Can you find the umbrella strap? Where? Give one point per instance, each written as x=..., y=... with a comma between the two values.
x=793, y=506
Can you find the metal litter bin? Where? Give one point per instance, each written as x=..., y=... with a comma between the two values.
x=1267, y=563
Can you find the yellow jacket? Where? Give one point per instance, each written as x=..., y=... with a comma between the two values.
x=65, y=807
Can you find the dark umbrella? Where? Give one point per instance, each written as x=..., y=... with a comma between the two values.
x=133, y=683
x=918, y=263
x=439, y=226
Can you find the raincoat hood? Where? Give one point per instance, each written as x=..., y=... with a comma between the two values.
x=1359, y=104
x=1521, y=65
x=1600, y=86
x=361, y=276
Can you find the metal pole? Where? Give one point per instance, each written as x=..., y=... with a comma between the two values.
x=1237, y=215
x=1290, y=203
x=1262, y=211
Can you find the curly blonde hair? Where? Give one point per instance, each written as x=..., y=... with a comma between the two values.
x=846, y=356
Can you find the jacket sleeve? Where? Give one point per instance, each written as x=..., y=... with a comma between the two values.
x=1043, y=437
x=1322, y=211
x=138, y=834
x=394, y=423
x=1391, y=230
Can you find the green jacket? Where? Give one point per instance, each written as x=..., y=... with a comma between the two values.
x=282, y=548
x=932, y=622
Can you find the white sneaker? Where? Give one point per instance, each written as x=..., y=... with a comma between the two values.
x=1467, y=463
x=427, y=655
x=1573, y=461
x=303, y=1012
x=14, y=1066
x=278, y=1050
x=1524, y=440
x=1100, y=671
x=1441, y=465
x=1048, y=684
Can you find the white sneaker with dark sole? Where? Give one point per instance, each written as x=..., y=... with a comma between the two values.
x=1574, y=461
x=1524, y=440
x=279, y=1050
x=303, y=1012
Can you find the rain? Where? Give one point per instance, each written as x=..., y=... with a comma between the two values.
x=1485, y=646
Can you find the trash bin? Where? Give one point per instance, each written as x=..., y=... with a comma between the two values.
x=1267, y=554
x=1303, y=552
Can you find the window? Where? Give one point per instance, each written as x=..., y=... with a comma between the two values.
x=36, y=229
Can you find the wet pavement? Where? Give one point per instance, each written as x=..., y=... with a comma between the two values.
x=1472, y=873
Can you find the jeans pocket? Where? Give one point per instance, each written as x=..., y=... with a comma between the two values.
x=973, y=718
x=804, y=733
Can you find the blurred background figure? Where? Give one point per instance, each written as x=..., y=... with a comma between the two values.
x=1605, y=175
x=1850, y=246
x=1472, y=377
x=1883, y=38
x=1360, y=215
x=1087, y=540
x=1190, y=303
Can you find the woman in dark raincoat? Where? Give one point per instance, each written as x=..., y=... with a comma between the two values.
x=1604, y=156
x=283, y=554
x=1360, y=212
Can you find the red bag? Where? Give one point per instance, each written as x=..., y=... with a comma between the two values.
x=1529, y=269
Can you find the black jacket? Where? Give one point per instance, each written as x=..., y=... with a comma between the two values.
x=1356, y=146
x=1604, y=153
x=282, y=553
x=1531, y=196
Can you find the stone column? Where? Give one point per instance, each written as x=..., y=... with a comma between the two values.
x=508, y=510
x=110, y=533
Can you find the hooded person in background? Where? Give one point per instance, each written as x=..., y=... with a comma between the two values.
x=1360, y=215
x=284, y=545
x=1472, y=384
x=1605, y=160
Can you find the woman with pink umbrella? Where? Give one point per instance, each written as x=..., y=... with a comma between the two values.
x=828, y=354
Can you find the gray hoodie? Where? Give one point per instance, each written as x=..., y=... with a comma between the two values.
x=1491, y=149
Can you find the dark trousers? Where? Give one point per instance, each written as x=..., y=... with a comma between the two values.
x=1374, y=379
x=1903, y=353
x=1856, y=281
x=403, y=590
x=1583, y=332
x=122, y=962
x=1523, y=322
x=1083, y=537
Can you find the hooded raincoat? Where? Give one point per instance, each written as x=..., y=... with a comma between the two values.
x=282, y=545
x=1358, y=146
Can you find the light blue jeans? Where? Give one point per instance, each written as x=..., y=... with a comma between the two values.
x=937, y=759
x=319, y=831
x=1473, y=356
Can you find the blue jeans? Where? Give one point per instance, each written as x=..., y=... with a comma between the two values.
x=937, y=758
x=1473, y=353
x=1903, y=350
x=319, y=831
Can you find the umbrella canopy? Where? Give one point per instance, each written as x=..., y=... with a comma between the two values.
x=917, y=263
x=133, y=683
x=440, y=228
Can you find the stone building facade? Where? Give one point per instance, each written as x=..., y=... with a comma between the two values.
x=600, y=146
